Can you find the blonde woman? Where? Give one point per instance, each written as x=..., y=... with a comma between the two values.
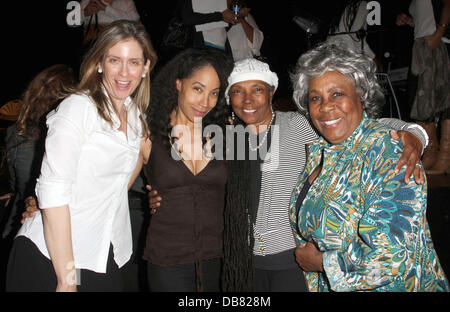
x=82, y=235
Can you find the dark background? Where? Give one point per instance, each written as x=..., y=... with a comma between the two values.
x=36, y=35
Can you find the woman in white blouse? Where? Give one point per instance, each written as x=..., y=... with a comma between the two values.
x=82, y=235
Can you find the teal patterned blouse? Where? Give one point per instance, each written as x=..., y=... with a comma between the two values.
x=370, y=226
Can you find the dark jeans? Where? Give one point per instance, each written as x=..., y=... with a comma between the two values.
x=182, y=277
x=29, y=271
x=288, y=280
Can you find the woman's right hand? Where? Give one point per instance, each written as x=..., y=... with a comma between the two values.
x=154, y=201
x=31, y=207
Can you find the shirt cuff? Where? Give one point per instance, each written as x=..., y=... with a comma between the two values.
x=333, y=271
x=419, y=132
x=52, y=193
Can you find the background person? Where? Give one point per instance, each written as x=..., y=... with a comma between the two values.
x=97, y=14
x=245, y=37
x=358, y=227
x=430, y=77
x=25, y=138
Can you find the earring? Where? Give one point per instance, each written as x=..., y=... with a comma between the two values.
x=100, y=71
x=143, y=75
x=233, y=117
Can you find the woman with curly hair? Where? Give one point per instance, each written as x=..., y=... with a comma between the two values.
x=25, y=138
x=357, y=226
x=184, y=238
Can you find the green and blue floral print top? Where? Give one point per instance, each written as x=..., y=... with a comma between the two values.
x=369, y=224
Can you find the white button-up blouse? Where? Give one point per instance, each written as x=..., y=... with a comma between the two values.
x=87, y=165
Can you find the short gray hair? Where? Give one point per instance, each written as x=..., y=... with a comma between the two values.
x=330, y=57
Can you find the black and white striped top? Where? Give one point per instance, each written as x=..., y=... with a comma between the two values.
x=290, y=133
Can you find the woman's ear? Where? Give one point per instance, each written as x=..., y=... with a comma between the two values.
x=99, y=68
x=178, y=84
x=147, y=67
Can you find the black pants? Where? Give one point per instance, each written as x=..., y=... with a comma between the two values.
x=29, y=270
x=182, y=277
x=288, y=280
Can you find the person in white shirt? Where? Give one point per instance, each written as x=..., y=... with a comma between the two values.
x=97, y=14
x=354, y=20
x=245, y=37
x=82, y=235
x=430, y=77
x=109, y=11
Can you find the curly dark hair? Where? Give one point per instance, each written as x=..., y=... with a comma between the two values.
x=164, y=96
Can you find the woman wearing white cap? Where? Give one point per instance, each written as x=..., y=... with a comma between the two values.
x=258, y=241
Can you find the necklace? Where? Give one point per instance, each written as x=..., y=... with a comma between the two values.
x=264, y=137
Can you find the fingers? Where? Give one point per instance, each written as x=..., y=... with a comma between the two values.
x=394, y=134
x=419, y=176
x=154, y=201
x=31, y=207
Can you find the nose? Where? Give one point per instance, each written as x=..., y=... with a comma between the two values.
x=246, y=97
x=205, y=101
x=123, y=70
x=327, y=105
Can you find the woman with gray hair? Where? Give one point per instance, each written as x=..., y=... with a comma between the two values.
x=357, y=226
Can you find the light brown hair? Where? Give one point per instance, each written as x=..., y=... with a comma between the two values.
x=91, y=80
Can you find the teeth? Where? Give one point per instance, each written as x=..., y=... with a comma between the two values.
x=123, y=83
x=249, y=110
x=331, y=122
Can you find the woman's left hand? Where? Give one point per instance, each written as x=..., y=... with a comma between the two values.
x=309, y=258
x=412, y=150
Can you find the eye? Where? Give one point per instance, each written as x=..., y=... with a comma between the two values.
x=314, y=98
x=136, y=62
x=235, y=91
x=113, y=60
x=215, y=93
x=337, y=94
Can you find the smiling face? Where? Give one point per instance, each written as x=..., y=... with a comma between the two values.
x=334, y=106
x=123, y=67
x=251, y=101
x=198, y=94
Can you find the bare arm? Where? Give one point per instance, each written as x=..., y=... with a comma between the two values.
x=144, y=154
x=434, y=39
x=248, y=29
x=58, y=236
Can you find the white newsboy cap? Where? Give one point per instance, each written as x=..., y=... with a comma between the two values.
x=251, y=69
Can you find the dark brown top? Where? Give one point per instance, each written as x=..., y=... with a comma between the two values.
x=188, y=226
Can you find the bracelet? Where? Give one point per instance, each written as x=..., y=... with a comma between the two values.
x=443, y=25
